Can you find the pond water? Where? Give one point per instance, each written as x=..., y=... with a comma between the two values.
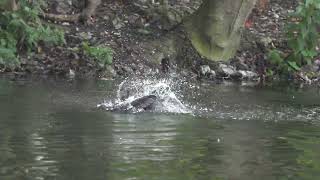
x=53, y=130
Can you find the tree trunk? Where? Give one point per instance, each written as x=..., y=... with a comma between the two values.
x=8, y=5
x=215, y=29
x=84, y=16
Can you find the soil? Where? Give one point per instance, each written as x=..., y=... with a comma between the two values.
x=141, y=47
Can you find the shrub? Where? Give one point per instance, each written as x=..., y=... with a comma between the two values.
x=23, y=30
x=101, y=53
x=302, y=39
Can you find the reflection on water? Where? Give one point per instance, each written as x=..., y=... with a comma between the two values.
x=239, y=133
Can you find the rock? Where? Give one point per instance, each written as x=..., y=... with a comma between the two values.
x=110, y=72
x=85, y=35
x=65, y=24
x=242, y=73
x=252, y=75
x=205, y=70
x=248, y=75
x=226, y=70
x=132, y=19
x=127, y=69
x=117, y=23
x=106, y=18
x=71, y=74
x=312, y=68
x=304, y=78
x=240, y=65
x=212, y=74
x=187, y=73
x=265, y=41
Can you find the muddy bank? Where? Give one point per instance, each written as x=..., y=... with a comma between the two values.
x=150, y=39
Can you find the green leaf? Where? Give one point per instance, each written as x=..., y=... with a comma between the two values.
x=275, y=57
x=270, y=73
x=101, y=53
x=294, y=66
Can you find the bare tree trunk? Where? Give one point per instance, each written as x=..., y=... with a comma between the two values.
x=215, y=29
x=13, y=5
x=89, y=10
x=84, y=16
x=9, y=5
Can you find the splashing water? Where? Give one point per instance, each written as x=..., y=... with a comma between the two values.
x=131, y=90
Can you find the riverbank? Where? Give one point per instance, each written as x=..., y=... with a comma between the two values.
x=144, y=45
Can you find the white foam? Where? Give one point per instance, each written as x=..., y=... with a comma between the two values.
x=167, y=100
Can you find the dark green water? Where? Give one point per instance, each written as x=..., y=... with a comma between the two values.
x=52, y=130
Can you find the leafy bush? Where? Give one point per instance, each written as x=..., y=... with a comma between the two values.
x=282, y=65
x=101, y=53
x=303, y=38
x=23, y=30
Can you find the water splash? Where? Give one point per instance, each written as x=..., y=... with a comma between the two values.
x=130, y=90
